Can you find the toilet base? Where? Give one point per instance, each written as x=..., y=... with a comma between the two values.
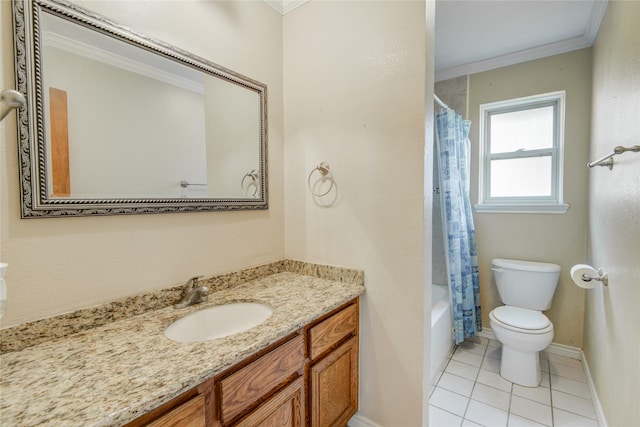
x=520, y=367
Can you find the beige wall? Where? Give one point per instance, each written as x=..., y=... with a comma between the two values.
x=611, y=338
x=355, y=98
x=58, y=265
x=560, y=239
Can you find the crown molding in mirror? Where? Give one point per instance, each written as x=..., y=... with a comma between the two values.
x=285, y=6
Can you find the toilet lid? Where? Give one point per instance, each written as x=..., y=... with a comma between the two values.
x=522, y=318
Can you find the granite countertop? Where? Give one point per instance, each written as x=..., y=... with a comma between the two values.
x=112, y=374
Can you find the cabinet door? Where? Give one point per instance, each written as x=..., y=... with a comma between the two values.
x=190, y=414
x=334, y=386
x=285, y=409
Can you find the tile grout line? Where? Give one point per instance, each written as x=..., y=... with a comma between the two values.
x=553, y=421
x=475, y=382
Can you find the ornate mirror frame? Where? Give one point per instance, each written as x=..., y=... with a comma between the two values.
x=35, y=202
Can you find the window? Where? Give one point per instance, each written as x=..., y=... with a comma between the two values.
x=521, y=155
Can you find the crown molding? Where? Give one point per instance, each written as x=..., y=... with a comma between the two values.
x=586, y=40
x=595, y=19
x=285, y=6
x=513, y=58
x=276, y=4
x=88, y=51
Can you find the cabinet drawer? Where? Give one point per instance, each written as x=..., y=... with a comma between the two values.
x=332, y=330
x=285, y=409
x=189, y=414
x=246, y=386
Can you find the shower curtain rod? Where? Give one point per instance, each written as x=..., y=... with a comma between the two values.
x=439, y=101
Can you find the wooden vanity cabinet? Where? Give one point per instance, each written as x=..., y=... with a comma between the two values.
x=308, y=379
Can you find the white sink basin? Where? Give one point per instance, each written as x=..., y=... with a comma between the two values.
x=217, y=322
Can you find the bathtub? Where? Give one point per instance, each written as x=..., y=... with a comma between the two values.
x=441, y=335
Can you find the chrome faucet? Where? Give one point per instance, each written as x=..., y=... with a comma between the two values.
x=193, y=294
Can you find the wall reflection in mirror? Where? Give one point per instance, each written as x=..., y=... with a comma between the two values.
x=120, y=123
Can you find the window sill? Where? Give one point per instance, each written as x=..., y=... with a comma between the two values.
x=523, y=208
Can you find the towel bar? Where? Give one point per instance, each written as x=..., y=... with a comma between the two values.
x=608, y=159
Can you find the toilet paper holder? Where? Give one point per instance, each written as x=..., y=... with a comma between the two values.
x=602, y=277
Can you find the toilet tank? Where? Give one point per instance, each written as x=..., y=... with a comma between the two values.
x=526, y=284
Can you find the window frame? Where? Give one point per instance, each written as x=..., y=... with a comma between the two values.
x=523, y=204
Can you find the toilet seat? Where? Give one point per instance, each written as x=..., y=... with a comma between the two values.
x=521, y=320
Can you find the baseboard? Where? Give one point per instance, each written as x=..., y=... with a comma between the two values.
x=359, y=421
x=565, y=350
x=554, y=348
x=602, y=421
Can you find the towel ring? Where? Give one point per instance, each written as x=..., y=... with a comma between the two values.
x=324, y=170
x=253, y=174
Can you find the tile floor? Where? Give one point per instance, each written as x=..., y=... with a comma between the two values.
x=470, y=392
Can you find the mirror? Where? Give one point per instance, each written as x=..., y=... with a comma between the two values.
x=118, y=123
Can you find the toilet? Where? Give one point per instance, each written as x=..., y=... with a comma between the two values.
x=526, y=288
